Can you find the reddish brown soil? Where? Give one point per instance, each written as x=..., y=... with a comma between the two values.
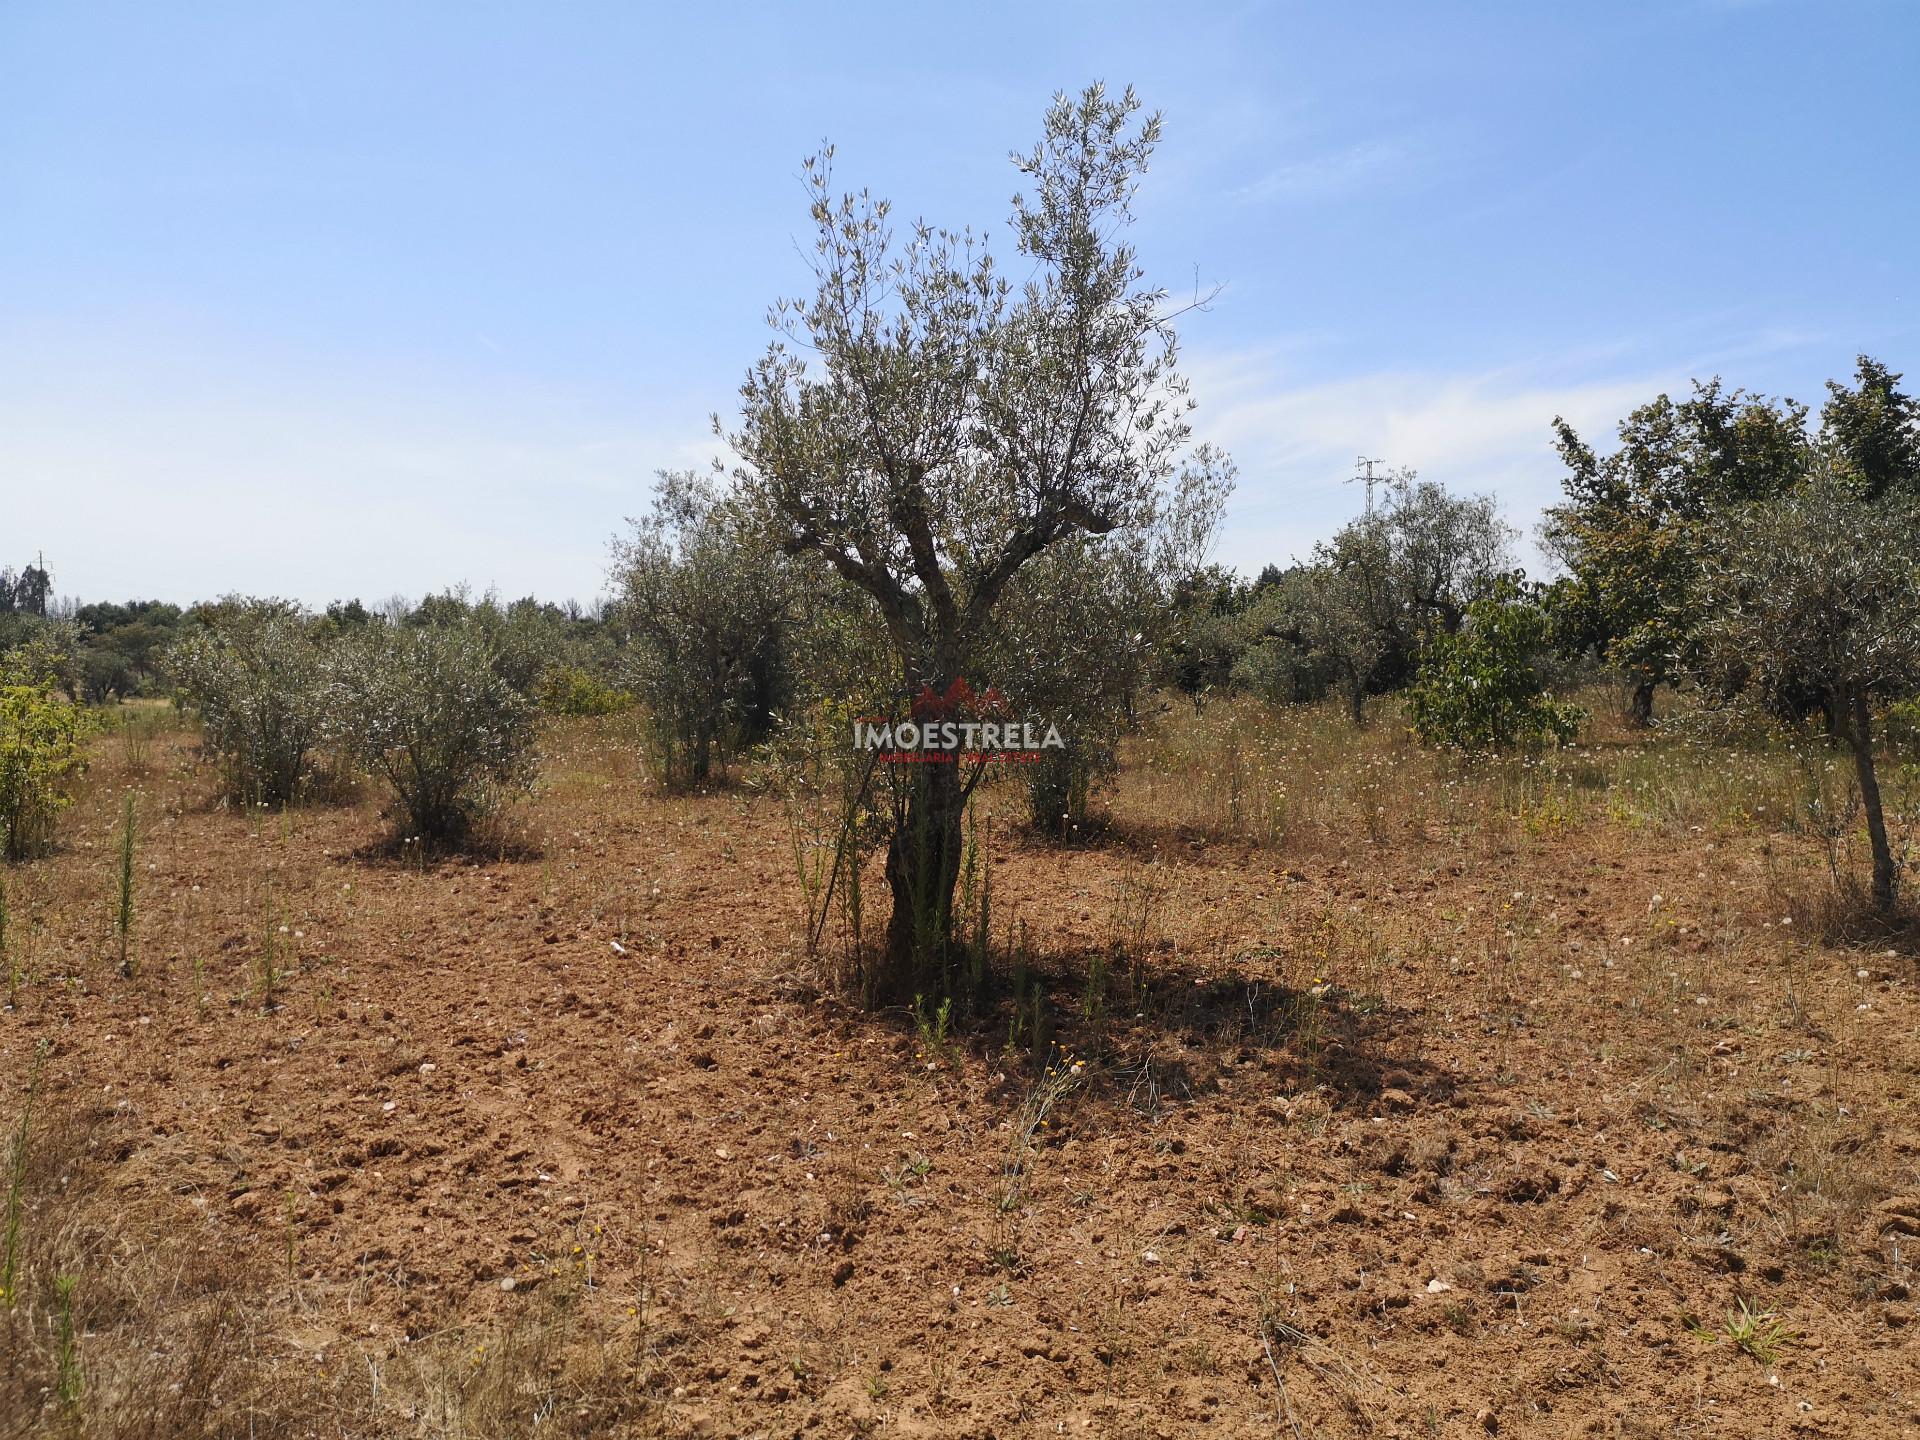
x=1510, y=1173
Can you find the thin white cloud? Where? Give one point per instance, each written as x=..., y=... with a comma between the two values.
x=1330, y=174
x=1297, y=441
x=181, y=469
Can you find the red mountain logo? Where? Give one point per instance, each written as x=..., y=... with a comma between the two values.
x=960, y=698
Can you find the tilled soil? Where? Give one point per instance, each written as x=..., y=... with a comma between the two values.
x=1405, y=1137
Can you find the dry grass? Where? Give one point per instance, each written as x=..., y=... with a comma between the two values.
x=1555, y=1033
x=135, y=1318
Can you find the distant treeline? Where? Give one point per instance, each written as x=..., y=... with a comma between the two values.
x=117, y=651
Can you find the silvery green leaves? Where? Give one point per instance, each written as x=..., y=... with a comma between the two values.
x=1381, y=590
x=1813, y=599
x=433, y=710
x=259, y=677
x=706, y=606
x=1820, y=589
x=927, y=430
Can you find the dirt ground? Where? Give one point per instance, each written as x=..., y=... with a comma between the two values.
x=1443, y=1131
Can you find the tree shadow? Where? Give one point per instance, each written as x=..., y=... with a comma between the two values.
x=1846, y=915
x=1135, y=838
x=486, y=843
x=1161, y=1033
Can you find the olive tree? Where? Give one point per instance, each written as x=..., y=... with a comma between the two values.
x=1082, y=626
x=433, y=709
x=1342, y=610
x=258, y=675
x=928, y=429
x=705, y=606
x=1821, y=587
x=1386, y=585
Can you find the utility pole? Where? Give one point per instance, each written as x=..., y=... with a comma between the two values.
x=1365, y=473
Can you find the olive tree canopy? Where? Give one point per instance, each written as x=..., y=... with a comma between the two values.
x=1820, y=588
x=927, y=426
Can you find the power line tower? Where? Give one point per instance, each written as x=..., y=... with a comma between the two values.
x=1365, y=473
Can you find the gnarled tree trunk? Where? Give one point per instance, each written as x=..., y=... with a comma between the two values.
x=923, y=867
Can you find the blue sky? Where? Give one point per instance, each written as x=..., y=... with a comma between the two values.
x=322, y=300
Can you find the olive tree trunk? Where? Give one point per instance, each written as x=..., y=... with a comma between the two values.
x=923, y=868
x=1640, y=707
x=1860, y=737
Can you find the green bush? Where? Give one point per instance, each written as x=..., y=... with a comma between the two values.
x=569, y=690
x=40, y=736
x=1903, y=726
x=1484, y=687
x=433, y=713
x=259, y=678
x=1060, y=785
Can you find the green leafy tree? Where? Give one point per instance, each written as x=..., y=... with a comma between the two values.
x=1272, y=656
x=1206, y=632
x=1485, y=686
x=1341, y=610
x=1871, y=433
x=1633, y=528
x=25, y=592
x=122, y=646
x=930, y=431
x=1821, y=586
x=40, y=736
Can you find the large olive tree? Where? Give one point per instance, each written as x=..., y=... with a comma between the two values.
x=928, y=428
x=1820, y=587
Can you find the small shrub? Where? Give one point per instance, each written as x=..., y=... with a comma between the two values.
x=40, y=736
x=569, y=690
x=259, y=678
x=1759, y=1333
x=1060, y=787
x=435, y=717
x=1484, y=687
x=1903, y=727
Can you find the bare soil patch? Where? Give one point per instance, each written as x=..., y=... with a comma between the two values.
x=1434, y=1130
